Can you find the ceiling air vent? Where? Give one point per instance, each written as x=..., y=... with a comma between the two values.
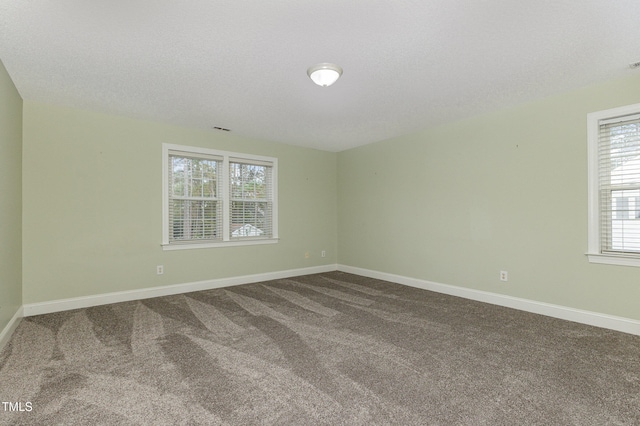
x=221, y=128
x=634, y=64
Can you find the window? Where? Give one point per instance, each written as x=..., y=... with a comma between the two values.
x=216, y=198
x=614, y=186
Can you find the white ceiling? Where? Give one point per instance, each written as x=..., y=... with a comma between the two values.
x=408, y=64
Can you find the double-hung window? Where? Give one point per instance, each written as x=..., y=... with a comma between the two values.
x=215, y=198
x=614, y=186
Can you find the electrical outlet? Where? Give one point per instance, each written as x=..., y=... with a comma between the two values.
x=504, y=276
x=160, y=269
x=323, y=253
x=306, y=254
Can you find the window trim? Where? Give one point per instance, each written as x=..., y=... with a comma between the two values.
x=226, y=156
x=594, y=253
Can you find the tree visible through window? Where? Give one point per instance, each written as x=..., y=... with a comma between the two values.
x=194, y=207
x=250, y=205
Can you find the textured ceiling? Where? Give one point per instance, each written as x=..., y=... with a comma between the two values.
x=241, y=65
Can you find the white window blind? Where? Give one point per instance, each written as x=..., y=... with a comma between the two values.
x=251, y=202
x=195, y=207
x=619, y=184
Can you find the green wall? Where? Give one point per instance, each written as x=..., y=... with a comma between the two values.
x=458, y=203
x=11, y=201
x=454, y=204
x=93, y=206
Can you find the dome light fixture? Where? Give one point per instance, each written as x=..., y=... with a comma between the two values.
x=324, y=74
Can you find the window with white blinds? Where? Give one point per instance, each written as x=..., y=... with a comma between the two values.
x=214, y=198
x=251, y=198
x=614, y=151
x=194, y=202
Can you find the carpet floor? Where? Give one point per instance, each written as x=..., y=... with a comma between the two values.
x=324, y=349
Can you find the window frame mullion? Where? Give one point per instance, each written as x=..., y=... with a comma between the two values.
x=226, y=192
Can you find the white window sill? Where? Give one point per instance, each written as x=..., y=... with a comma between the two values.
x=612, y=259
x=235, y=243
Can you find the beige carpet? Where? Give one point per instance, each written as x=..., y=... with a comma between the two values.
x=322, y=349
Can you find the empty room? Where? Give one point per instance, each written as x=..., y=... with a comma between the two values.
x=320, y=213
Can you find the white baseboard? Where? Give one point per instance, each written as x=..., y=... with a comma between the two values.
x=6, y=333
x=625, y=325
x=147, y=293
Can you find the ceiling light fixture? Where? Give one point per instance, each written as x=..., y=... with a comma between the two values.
x=324, y=74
